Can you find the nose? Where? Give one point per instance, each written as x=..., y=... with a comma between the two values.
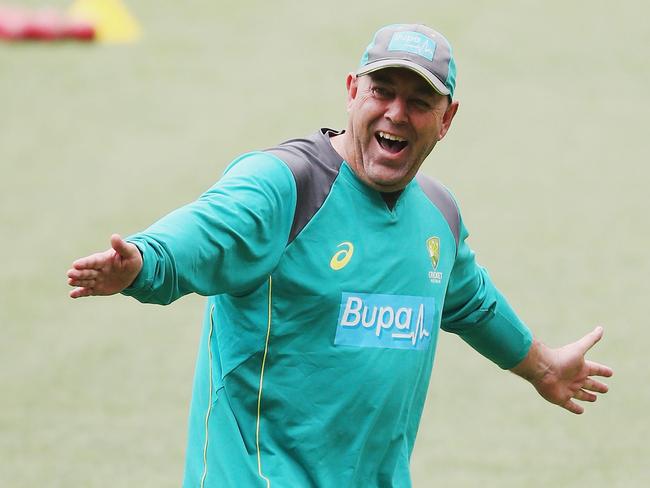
x=396, y=111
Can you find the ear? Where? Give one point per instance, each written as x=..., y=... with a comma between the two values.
x=352, y=85
x=448, y=116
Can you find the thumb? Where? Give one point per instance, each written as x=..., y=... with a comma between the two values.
x=120, y=246
x=588, y=341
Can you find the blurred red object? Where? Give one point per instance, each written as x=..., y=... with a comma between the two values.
x=79, y=29
x=44, y=24
x=12, y=23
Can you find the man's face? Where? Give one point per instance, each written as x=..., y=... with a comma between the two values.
x=395, y=120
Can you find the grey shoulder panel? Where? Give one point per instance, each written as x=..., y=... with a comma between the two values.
x=315, y=165
x=442, y=199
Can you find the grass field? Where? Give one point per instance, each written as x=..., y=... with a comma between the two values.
x=548, y=157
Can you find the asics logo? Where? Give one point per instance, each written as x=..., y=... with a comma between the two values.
x=342, y=258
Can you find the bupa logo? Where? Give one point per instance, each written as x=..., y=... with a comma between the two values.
x=413, y=42
x=388, y=321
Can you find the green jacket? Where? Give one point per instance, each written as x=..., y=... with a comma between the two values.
x=323, y=311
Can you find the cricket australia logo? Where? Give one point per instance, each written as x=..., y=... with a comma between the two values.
x=433, y=247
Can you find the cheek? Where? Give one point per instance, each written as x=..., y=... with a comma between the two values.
x=362, y=131
x=431, y=134
x=367, y=112
x=427, y=149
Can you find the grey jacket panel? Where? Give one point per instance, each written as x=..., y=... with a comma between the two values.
x=315, y=165
x=441, y=198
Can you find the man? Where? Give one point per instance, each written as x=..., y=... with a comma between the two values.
x=330, y=264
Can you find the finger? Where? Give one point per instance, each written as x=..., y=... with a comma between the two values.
x=82, y=274
x=593, y=385
x=94, y=261
x=573, y=407
x=121, y=247
x=81, y=292
x=588, y=341
x=82, y=283
x=597, y=369
x=87, y=262
x=585, y=396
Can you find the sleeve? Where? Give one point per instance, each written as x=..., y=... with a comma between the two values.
x=227, y=241
x=476, y=311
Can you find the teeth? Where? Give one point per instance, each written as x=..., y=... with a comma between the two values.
x=391, y=137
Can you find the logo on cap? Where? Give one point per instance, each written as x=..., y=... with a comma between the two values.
x=413, y=42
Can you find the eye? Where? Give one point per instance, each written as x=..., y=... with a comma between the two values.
x=420, y=104
x=381, y=92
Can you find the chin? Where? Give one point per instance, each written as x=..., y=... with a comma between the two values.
x=387, y=182
x=388, y=185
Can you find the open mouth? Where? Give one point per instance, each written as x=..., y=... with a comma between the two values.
x=390, y=142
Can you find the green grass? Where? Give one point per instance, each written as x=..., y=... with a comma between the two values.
x=547, y=156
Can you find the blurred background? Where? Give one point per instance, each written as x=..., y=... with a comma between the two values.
x=548, y=158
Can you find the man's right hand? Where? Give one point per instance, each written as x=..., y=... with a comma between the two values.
x=105, y=273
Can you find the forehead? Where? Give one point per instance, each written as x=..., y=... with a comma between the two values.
x=402, y=78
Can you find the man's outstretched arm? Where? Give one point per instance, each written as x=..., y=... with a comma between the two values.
x=105, y=273
x=227, y=241
x=563, y=375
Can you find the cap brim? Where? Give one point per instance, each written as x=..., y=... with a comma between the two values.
x=435, y=83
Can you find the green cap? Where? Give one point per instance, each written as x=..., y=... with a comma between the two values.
x=415, y=47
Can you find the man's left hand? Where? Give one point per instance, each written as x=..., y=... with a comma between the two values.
x=563, y=375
